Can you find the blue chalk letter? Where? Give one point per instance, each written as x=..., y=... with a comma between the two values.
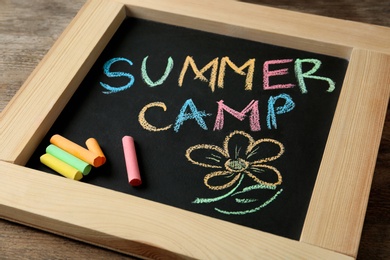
x=118, y=74
x=273, y=111
x=195, y=114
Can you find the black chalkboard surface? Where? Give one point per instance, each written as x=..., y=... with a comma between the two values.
x=225, y=127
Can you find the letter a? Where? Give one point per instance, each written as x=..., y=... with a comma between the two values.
x=195, y=114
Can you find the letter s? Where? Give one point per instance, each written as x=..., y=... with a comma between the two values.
x=118, y=74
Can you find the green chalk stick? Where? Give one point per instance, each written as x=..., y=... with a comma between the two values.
x=68, y=158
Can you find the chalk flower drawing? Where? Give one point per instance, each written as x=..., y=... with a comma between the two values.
x=240, y=157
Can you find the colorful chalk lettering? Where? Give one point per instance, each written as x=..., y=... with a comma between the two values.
x=217, y=76
x=189, y=61
x=250, y=64
x=267, y=73
x=301, y=76
x=194, y=114
x=273, y=111
x=145, y=75
x=252, y=107
x=144, y=123
x=106, y=68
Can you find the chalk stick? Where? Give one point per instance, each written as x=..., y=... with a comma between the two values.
x=131, y=161
x=61, y=167
x=76, y=150
x=67, y=158
x=94, y=147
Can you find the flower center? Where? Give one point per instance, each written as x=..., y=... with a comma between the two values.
x=237, y=165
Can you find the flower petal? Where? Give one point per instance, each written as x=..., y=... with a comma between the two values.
x=234, y=178
x=205, y=155
x=264, y=150
x=265, y=174
x=236, y=144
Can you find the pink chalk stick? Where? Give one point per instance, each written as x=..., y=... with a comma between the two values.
x=131, y=161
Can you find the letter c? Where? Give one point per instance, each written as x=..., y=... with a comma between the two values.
x=145, y=124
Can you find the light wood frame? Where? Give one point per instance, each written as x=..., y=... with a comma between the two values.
x=148, y=229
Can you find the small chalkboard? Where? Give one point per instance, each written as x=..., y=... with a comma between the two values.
x=255, y=128
x=225, y=127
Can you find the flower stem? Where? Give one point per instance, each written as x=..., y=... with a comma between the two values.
x=210, y=200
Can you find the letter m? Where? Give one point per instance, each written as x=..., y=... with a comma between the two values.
x=199, y=73
x=254, y=116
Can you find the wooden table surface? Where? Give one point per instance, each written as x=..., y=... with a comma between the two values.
x=29, y=28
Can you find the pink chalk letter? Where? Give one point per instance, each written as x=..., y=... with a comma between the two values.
x=267, y=73
x=131, y=161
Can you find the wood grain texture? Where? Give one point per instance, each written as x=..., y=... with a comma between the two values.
x=91, y=31
x=101, y=216
x=349, y=157
x=27, y=31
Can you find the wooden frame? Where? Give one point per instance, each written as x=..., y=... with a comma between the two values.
x=147, y=229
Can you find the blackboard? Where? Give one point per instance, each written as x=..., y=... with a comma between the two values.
x=285, y=111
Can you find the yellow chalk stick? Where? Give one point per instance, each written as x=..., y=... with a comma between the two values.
x=61, y=167
x=76, y=150
x=69, y=159
x=94, y=147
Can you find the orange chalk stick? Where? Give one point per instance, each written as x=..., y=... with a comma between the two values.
x=61, y=167
x=76, y=150
x=94, y=147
